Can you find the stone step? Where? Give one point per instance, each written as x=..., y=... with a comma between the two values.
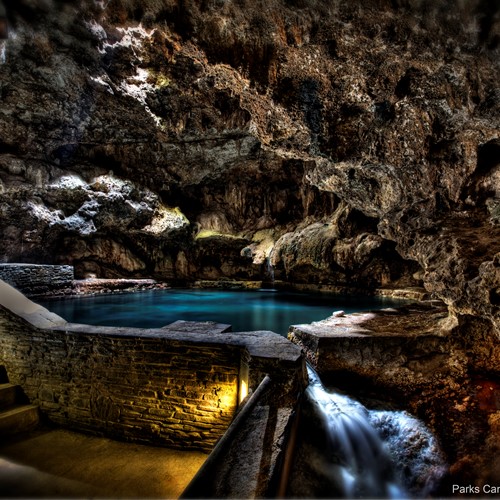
x=207, y=327
x=18, y=419
x=8, y=395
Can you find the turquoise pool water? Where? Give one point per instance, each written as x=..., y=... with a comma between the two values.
x=244, y=310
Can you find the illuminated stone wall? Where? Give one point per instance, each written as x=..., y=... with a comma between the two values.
x=141, y=385
x=33, y=279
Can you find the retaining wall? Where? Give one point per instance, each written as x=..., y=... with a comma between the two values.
x=37, y=279
x=164, y=386
x=169, y=391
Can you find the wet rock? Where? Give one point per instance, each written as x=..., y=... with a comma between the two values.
x=425, y=361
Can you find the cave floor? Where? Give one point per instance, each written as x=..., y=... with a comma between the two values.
x=57, y=463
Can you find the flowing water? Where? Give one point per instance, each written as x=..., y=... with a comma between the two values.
x=245, y=310
x=348, y=451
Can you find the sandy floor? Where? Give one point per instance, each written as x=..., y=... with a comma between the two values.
x=65, y=464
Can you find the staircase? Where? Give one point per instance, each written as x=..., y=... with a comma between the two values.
x=16, y=414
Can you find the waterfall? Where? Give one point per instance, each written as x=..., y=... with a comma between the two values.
x=418, y=460
x=268, y=273
x=348, y=451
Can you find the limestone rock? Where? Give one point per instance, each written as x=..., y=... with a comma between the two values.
x=344, y=143
x=293, y=116
x=363, y=137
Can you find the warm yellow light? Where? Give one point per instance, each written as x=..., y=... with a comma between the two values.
x=228, y=399
x=243, y=390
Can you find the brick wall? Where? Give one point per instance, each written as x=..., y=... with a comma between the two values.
x=35, y=279
x=177, y=386
x=133, y=384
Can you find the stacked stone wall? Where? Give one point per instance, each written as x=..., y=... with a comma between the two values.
x=129, y=384
x=37, y=279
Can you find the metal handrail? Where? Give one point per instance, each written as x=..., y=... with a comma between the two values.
x=193, y=488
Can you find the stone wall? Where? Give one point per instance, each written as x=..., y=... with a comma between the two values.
x=36, y=279
x=125, y=385
x=165, y=386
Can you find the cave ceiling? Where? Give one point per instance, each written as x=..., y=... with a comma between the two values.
x=352, y=143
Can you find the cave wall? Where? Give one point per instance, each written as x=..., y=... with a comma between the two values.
x=347, y=143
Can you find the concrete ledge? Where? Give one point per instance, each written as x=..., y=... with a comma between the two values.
x=396, y=349
x=206, y=327
x=20, y=305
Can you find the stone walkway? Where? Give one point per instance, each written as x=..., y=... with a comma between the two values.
x=65, y=464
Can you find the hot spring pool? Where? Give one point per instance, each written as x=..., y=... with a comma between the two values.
x=243, y=309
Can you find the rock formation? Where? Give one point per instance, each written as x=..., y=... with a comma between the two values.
x=345, y=143
x=136, y=141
